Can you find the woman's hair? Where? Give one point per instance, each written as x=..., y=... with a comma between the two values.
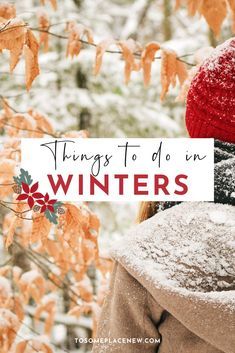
x=147, y=209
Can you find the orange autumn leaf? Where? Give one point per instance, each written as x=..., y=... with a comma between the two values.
x=181, y=71
x=193, y=6
x=76, y=134
x=8, y=112
x=21, y=346
x=168, y=71
x=76, y=32
x=15, y=305
x=78, y=310
x=43, y=124
x=186, y=85
x=214, y=13
x=52, y=2
x=7, y=10
x=177, y=4
x=232, y=8
x=41, y=227
x=21, y=123
x=33, y=345
x=44, y=24
x=75, y=219
x=11, y=231
x=47, y=305
x=31, y=58
x=7, y=171
x=100, y=50
x=9, y=325
x=12, y=38
x=32, y=284
x=129, y=49
x=147, y=58
x=94, y=222
x=10, y=30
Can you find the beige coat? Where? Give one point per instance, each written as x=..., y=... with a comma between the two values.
x=174, y=280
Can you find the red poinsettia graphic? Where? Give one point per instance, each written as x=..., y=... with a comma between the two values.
x=46, y=203
x=30, y=194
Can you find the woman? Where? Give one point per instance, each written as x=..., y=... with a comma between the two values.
x=173, y=283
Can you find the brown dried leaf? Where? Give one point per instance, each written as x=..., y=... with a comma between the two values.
x=75, y=220
x=177, y=4
x=9, y=326
x=7, y=171
x=181, y=71
x=9, y=31
x=21, y=346
x=31, y=58
x=53, y=3
x=168, y=71
x=186, y=85
x=80, y=309
x=43, y=123
x=21, y=124
x=8, y=112
x=232, y=8
x=129, y=48
x=76, y=32
x=94, y=222
x=13, y=38
x=100, y=50
x=7, y=10
x=147, y=58
x=193, y=6
x=41, y=227
x=214, y=12
x=44, y=24
x=11, y=231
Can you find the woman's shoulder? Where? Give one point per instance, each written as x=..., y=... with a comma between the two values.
x=190, y=245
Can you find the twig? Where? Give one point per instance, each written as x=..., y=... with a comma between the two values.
x=137, y=54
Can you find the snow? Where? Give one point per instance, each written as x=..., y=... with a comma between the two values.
x=188, y=246
x=214, y=60
x=29, y=276
x=5, y=287
x=218, y=217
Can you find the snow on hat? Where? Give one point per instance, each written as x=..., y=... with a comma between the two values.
x=210, y=110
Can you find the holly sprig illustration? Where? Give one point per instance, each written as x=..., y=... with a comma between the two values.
x=38, y=202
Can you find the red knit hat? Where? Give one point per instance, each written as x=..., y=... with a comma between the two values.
x=211, y=98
